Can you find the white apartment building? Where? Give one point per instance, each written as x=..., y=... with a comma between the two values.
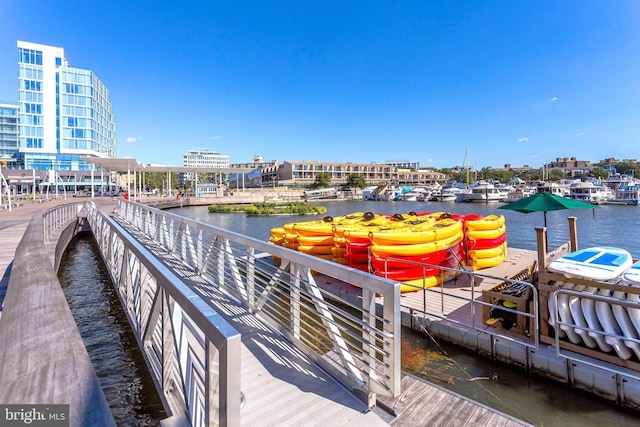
x=65, y=112
x=204, y=158
x=8, y=134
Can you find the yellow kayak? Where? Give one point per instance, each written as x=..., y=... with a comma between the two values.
x=316, y=249
x=491, y=222
x=480, y=263
x=486, y=234
x=387, y=251
x=488, y=253
x=415, y=235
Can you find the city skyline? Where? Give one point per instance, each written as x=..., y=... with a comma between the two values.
x=514, y=83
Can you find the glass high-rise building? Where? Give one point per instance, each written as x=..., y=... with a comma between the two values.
x=8, y=134
x=65, y=112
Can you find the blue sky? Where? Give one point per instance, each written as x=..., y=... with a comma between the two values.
x=517, y=82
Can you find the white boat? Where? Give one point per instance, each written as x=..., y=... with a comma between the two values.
x=519, y=193
x=447, y=194
x=597, y=263
x=590, y=192
x=553, y=188
x=484, y=193
x=626, y=194
x=321, y=194
x=417, y=194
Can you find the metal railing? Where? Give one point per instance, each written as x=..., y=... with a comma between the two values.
x=472, y=303
x=192, y=353
x=59, y=216
x=562, y=322
x=358, y=344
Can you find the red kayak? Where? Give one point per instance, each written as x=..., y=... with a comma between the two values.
x=485, y=243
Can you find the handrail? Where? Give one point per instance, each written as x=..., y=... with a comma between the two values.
x=58, y=216
x=356, y=343
x=473, y=302
x=618, y=370
x=193, y=354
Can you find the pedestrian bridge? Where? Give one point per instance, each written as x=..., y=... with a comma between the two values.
x=210, y=308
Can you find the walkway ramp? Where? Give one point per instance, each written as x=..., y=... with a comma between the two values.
x=281, y=387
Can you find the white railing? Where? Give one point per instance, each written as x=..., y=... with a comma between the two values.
x=192, y=353
x=357, y=343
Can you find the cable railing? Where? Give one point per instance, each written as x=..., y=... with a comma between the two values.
x=192, y=353
x=358, y=343
x=437, y=299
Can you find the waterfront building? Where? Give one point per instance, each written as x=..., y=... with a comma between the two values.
x=570, y=166
x=8, y=135
x=65, y=112
x=406, y=164
x=303, y=173
x=268, y=170
x=205, y=158
x=201, y=158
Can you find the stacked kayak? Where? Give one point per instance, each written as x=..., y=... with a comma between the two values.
x=486, y=241
x=407, y=248
x=352, y=238
x=401, y=254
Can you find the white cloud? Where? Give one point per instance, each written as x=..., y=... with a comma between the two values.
x=554, y=99
x=524, y=139
x=216, y=137
x=134, y=138
x=579, y=134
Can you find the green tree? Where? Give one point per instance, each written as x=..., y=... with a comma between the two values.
x=556, y=175
x=496, y=174
x=356, y=180
x=323, y=179
x=599, y=172
x=628, y=168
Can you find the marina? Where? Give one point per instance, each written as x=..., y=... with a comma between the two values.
x=592, y=225
x=413, y=302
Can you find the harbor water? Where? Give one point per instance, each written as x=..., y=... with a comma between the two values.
x=509, y=389
x=105, y=330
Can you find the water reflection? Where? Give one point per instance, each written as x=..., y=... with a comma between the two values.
x=105, y=330
x=507, y=388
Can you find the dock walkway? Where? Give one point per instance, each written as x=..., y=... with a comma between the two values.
x=280, y=385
